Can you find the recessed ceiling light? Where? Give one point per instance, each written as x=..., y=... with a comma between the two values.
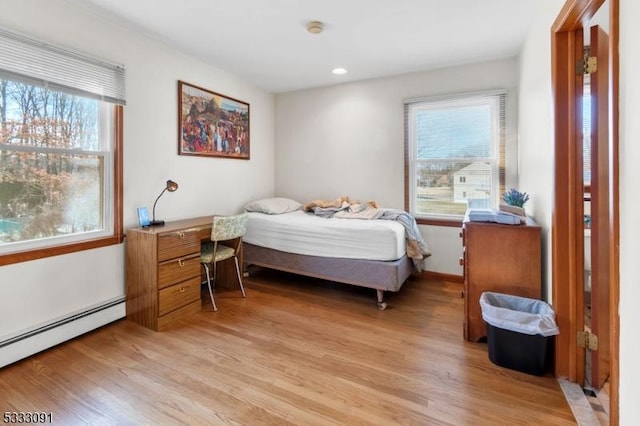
x=339, y=71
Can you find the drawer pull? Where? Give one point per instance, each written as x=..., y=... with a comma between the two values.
x=181, y=262
x=181, y=234
x=181, y=289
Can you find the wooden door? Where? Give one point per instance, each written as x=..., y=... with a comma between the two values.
x=567, y=287
x=600, y=207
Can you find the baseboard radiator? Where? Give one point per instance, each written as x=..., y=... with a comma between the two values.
x=51, y=334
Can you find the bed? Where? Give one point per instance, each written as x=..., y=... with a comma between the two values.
x=366, y=253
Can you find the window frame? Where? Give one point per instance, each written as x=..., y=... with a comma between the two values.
x=117, y=234
x=498, y=163
x=58, y=68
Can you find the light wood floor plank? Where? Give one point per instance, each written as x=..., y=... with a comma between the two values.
x=297, y=351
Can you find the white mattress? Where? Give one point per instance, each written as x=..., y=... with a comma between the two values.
x=304, y=233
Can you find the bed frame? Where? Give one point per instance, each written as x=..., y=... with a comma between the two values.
x=379, y=275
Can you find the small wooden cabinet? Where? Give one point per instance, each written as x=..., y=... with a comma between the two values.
x=499, y=258
x=163, y=271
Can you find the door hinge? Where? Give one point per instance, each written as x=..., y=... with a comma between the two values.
x=587, y=65
x=587, y=340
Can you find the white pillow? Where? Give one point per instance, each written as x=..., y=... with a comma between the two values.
x=276, y=205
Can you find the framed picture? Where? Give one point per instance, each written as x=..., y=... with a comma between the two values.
x=211, y=124
x=143, y=216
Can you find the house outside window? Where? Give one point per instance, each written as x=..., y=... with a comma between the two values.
x=456, y=154
x=60, y=150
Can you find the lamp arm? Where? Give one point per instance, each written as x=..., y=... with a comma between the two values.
x=155, y=202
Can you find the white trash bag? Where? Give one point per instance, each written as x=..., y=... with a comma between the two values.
x=519, y=314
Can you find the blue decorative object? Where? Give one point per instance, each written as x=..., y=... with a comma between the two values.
x=143, y=216
x=513, y=197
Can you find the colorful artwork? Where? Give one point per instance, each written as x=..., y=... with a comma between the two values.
x=211, y=124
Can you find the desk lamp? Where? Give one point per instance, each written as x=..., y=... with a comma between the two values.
x=171, y=187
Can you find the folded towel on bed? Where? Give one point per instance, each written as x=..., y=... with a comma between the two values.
x=343, y=208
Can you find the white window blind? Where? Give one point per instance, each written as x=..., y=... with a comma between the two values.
x=41, y=64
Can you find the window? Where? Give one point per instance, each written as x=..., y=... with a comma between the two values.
x=60, y=150
x=455, y=154
x=586, y=131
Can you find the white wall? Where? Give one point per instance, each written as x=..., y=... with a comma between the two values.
x=349, y=140
x=36, y=292
x=629, y=208
x=535, y=128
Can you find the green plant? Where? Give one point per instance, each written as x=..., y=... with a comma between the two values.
x=513, y=197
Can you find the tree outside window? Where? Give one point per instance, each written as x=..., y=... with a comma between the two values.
x=51, y=163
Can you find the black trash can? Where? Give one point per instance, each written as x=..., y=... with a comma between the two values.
x=519, y=331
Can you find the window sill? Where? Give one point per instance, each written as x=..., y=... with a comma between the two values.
x=40, y=253
x=451, y=223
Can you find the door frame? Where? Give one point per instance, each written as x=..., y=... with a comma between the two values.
x=568, y=220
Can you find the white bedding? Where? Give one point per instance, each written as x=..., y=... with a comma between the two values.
x=303, y=233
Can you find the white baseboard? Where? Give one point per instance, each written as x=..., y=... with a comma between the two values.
x=23, y=346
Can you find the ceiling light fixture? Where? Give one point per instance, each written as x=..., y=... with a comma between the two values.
x=339, y=71
x=315, y=27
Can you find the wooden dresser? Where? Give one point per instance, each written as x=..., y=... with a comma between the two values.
x=163, y=271
x=499, y=258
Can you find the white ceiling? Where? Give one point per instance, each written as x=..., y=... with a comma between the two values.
x=266, y=41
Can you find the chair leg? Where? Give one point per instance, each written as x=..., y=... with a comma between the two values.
x=213, y=302
x=239, y=277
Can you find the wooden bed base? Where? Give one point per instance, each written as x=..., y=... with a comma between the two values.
x=379, y=275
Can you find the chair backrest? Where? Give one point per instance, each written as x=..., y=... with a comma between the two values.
x=229, y=227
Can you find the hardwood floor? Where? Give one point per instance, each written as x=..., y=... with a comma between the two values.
x=297, y=351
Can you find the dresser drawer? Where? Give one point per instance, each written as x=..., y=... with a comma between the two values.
x=176, y=270
x=178, y=244
x=178, y=295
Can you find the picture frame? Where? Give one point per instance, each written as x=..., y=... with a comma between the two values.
x=211, y=124
x=143, y=217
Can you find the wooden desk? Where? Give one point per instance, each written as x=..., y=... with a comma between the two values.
x=163, y=272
